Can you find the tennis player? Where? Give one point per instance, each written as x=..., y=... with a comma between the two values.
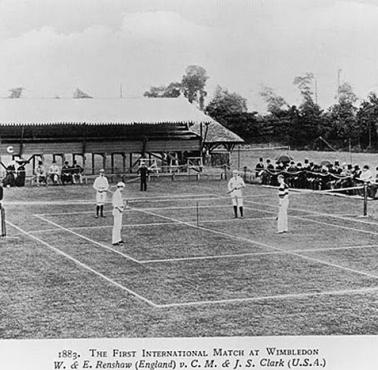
x=235, y=186
x=118, y=208
x=101, y=185
x=283, y=196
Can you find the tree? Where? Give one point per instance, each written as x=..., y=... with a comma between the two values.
x=275, y=103
x=225, y=103
x=193, y=84
x=342, y=116
x=367, y=116
x=309, y=123
x=230, y=109
x=173, y=90
x=304, y=85
x=346, y=94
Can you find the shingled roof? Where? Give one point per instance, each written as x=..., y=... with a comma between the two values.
x=116, y=111
x=129, y=111
x=214, y=132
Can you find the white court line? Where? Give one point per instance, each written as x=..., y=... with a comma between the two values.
x=196, y=303
x=278, y=296
x=180, y=196
x=334, y=215
x=93, y=202
x=194, y=207
x=88, y=239
x=317, y=214
x=269, y=246
x=103, y=226
x=150, y=224
x=251, y=254
x=83, y=265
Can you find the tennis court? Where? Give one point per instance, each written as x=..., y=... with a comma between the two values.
x=188, y=267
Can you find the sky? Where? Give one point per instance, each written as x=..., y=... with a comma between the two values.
x=51, y=47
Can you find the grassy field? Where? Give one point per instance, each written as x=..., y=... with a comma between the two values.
x=187, y=268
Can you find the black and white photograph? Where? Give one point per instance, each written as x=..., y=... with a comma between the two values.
x=188, y=184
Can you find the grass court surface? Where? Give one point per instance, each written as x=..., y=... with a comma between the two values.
x=187, y=267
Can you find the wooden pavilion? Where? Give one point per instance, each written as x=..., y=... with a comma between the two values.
x=110, y=128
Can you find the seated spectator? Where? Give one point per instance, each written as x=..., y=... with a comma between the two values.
x=336, y=169
x=306, y=165
x=367, y=178
x=267, y=175
x=259, y=167
x=21, y=174
x=54, y=173
x=292, y=179
x=10, y=177
x=66, y=175
x=40, y=174
x=269, y=165
x=77, y=173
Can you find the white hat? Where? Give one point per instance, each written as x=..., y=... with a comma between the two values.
x=121, y=184
x=235, y=171
x=102, y=170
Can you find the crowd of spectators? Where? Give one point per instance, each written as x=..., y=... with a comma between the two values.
x=323, y=176
x=15, y=176
x=43, y=176
x=56, y=175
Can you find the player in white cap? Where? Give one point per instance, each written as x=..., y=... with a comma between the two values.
x=118, y=208
x=101, y=185
x=235, y=186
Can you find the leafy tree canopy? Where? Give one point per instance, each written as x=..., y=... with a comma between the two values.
x=225, y=103
x=193, y=84
x=275, y=103
x=173, y=90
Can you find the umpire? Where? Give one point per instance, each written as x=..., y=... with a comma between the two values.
x=143, y=171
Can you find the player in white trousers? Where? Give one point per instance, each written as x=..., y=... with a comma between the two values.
x=283, y=196
x=101, y=185
x=118, y=208
x=235, y=186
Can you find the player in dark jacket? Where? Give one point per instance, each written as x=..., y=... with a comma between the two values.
x=143, y=171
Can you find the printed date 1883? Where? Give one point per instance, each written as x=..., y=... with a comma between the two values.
x=67, y=353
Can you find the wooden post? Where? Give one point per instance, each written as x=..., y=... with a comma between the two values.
x=238, y=157
x=103, y=160
x=112, y=162
x=131, y=163
x=123, y=162
x=93, y=163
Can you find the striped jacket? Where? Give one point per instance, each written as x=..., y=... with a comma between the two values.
x=283, y=191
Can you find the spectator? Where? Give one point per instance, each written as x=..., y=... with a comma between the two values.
x=10, y=178
x=21, y=174
x=367, y=178
x=66, y=175
x=259, y=167
x=40, y=174
x=77, y=173
x=54, y=173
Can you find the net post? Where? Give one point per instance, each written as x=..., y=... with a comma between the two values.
x=197, y=213
x=365, y=198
